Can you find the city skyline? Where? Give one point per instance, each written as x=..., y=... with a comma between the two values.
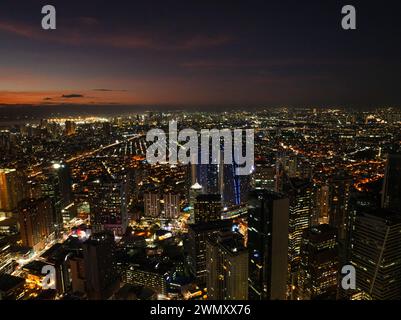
x=212, y=155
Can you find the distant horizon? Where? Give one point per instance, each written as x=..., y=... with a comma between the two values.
x=208, y=53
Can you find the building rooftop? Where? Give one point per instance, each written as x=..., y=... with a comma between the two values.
x=9, y=282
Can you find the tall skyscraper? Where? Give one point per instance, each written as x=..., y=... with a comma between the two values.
x=100, y=266
x=196, y=245
x=55, y=183
x=268, y=245
x=10, y=190
x=319, y=267
x=108, y=204
x=207, y=208
x=339, y=196
x=151, y=202
x=301, y=196
x=264, y=175
x=194, y=191
x=227, y=267
x=70, y=128
x=376, y=254
x=391, y=196
x=171, y=206
x=35, y=216
x=322, y=205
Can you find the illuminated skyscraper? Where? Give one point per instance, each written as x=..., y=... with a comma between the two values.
x=196, y=245
x=322, y=205
x=171, y=206
x=319, y=267
x=227, y=267
x=10, y=190
x=376, y=254
x=301, y=196
x=108, y=204
x=268, y=245
x=55, y=183
x=194, y=191
x=338, y=200
x=70, y=127
x=151, y=202
x=263, y=177
x=391, y=196
x=100, y=266
x=35, y=216
x=207, y=208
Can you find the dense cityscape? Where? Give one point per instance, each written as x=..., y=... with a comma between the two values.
x=84, y=216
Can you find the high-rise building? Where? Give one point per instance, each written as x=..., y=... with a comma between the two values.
x=108, y=204
x=268, y=245
x=264, y=175
x=207, y=208
x=10, y=190
x=319, y=269
x=171, y=206
x=227, y=267
x=338, y=200
x=151, y=202
x=196, y=245
x=78, y=280
x=376, y=254
x=34, y=216
x=194, y=191
x=322, y=205
x=70, y=128
x=391, y=196
x=100, y=266
x=55, y=183
x=301, y=196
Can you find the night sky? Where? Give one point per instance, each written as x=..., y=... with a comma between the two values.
x=200, y=53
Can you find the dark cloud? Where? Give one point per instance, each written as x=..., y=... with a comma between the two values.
x=109, y=90
x=73, y=95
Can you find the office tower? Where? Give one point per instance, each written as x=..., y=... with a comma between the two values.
x=207, y=175
x=100, y=266
x=146, y=275
x=55, y=183
x=322, y=205
x=151, y=202
x=108, y=204
x=70, y=128
x=227, y=267
x=207, y=208
x=233, y=188
x=319, y=269
x=391, y=196
x=194, y=191
x=264, y=175
x=340, y=186
x=10, y=190
x=359, y=202
x=267, y=245
x=171, y=206
x=301, y=195
x=78, y=280
x=196, y=245
x=376, y=254
x=34, y=216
